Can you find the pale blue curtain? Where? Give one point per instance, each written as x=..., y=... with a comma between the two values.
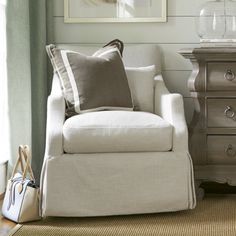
x=27, y=77
x=4, y=121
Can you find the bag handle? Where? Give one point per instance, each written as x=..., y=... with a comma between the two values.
x=28, y=168
x=18, y=162
x=23, y=152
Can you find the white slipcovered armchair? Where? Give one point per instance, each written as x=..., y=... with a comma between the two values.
x=115, y=182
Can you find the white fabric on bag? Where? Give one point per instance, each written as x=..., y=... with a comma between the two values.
x=116, y=131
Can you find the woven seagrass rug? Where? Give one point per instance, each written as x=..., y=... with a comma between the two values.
x=215, y=215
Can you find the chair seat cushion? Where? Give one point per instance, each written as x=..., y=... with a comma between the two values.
x=116, y=131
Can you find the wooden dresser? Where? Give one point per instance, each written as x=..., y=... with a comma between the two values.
x=212, y=138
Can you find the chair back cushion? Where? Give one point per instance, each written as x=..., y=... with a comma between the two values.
x=141, y=83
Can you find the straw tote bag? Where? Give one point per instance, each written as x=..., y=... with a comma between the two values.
x=21, y=201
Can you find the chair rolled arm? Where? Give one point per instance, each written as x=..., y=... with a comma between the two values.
x=171, y=108
x=55, y=121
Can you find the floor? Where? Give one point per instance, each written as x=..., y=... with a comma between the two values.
x=5, y=225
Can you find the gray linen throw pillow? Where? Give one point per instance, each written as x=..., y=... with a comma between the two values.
x=92, y=83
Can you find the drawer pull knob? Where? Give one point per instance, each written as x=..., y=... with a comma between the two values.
x=229, y=113
x=229, y=75
x=230, y=151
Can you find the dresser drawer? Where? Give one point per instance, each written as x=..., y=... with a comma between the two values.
x=221, y=76
x=221, y=149
x=221, y=112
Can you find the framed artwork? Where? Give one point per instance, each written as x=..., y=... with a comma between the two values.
x=85, y=11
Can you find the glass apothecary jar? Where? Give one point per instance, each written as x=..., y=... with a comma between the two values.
x=217, y=21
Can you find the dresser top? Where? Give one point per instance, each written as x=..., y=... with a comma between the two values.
x=210, y=51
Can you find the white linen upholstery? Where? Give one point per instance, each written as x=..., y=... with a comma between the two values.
x=118, y=183
x=171, y=108
x=142, y=56
x=116, y=131
x=141, y=83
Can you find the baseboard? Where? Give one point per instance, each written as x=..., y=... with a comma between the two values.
x=15, y=229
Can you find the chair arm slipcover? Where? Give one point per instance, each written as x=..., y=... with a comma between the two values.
x=170, y=107
x=55, y=121
x=167, y=105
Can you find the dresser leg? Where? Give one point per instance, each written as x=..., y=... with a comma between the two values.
x=199, y=191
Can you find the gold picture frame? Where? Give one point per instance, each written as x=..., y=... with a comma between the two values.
x=123, y=11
